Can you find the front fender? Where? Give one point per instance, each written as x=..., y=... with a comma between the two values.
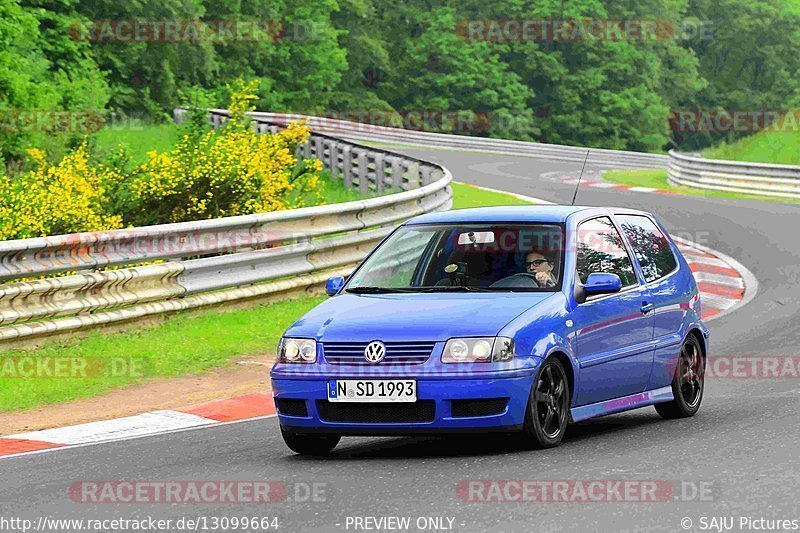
x=541, y=329
x=542, y=332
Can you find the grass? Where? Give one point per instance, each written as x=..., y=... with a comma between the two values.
x=139, y=138
x=334, y=191
x=185, y=343
x=658, y=180
x=776, y=147
x=465, y=196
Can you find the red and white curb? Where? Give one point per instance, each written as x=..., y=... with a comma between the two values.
x=608, y=185
x=724, y=283
x=249, y=407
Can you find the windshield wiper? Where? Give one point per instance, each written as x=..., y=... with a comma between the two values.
x=375, y=290
x=454, y=288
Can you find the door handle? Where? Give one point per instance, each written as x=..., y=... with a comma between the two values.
x=647, y=307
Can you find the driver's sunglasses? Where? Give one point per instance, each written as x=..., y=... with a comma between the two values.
x=535, y=263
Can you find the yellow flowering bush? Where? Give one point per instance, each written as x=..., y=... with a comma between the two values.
x=53, y=199
x=208, y=174
x=232, y=171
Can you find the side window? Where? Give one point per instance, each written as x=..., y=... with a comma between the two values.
x=650, y=246
x=600, y=249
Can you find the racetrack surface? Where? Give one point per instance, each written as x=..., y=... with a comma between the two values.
x=743, y=441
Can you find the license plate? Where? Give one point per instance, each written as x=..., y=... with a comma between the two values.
x=372, y=390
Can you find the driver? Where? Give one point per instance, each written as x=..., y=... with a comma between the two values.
x=541, y=268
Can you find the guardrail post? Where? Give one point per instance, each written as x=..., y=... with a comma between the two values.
x=380, y=172
x=426, y=174
x=347, y=166
x=363, y=172
x=397, y=173
x=319, y=148
x=179, y=115
x=333, y=158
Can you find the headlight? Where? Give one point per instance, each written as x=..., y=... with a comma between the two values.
x=297, y=351
x=478, y=350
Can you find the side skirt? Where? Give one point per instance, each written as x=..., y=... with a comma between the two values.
x=626, y=403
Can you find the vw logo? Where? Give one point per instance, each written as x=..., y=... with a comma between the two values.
x=375, y=352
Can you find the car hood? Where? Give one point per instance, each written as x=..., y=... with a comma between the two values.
x=428, y=317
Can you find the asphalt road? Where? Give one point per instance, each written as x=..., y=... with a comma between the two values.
x=743, y=443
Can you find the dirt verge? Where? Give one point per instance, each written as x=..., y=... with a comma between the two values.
x=247, y=375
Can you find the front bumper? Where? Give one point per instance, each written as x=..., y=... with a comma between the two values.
x=440, y=392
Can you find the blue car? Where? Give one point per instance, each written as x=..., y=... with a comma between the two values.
x=513, y=319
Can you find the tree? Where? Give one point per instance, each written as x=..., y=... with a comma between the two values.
x=750, y=55
x=436, y=69
x=147, y=73
x=297, y=57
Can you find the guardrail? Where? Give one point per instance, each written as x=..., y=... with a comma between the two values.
x=782, y=181
x=366, y=132
x=213, y=261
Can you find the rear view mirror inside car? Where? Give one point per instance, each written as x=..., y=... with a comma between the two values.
x=476, y=237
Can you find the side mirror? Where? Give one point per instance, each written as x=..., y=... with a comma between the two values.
x=335, y=284
x=602, y=283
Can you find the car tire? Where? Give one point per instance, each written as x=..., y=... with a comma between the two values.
x=547, y=414
x=306, y=444
x=687, y=383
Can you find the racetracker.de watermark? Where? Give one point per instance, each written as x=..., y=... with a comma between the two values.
x=372, y=120
x=514, y=30
x=752, y=367
x=82, y=121
x=254, y=492
x=734, y=120
x=50, y=121
x=192, y=31
x=585, y=491
x=73, y=367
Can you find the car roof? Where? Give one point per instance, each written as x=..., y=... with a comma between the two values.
x=517, y=214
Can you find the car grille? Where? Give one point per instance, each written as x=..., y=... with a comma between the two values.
x=377, y=413
x=397, y=353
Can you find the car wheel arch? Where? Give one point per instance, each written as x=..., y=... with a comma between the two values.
x=696, y=332
x=700, y=339
x=569, y=368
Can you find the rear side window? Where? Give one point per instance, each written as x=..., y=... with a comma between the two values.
x=600, y=249
x=650, y=246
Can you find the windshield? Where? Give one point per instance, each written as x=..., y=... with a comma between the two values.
x=465, y=257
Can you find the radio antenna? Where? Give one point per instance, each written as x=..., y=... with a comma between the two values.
x=577, y=185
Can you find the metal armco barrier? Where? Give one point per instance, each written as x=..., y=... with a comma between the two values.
x=214, y=261
x=782, y=181
x=367, y=132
